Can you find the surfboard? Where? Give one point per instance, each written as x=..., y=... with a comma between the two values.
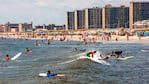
x=125, y=58
x=100, y=61
x=97, y=58
x=50, y=75
x=145, y=50
x=16, y=56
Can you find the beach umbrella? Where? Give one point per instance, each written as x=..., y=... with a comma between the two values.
x=50, y=33
x=146, y=33
x=100, y=32
x=39, y=33
x=138, y=33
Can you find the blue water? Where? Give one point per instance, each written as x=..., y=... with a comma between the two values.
x=58, y=57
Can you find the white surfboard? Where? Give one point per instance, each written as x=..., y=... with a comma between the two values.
x=42, y=74
x=16, y=56
x=125, y=58
x=100, y=61
x=50, y=75
x=97, y=58
x=145, y=50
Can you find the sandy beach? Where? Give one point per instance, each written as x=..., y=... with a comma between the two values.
x=89, y=38
x=78, y=37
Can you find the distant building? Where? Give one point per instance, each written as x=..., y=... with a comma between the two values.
x=18, y=27
x=50, y=27
x=115, y=17
x=59, y=27
x=79, y=19
x=39, y=27
x=2, y=28
x=70, y=21
x=141, y=24
x=93, y=18
x=138, y=11
x=89, y=18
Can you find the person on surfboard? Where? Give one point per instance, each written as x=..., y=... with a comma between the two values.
x=49, y=74
x=7, y=57
x=114, y=53
x=91, y=53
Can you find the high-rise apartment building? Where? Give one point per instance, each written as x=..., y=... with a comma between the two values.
x=115, y=17
x=93, y=18
x=108, y=16
x=89, y=18
x=79, y=19
x=138, y=11
x=70, y=21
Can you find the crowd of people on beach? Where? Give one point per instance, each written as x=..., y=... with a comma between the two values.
x=105, y=36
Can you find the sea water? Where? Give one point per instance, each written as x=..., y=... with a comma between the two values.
x=61, y=57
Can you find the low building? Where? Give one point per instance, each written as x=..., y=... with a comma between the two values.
x=50, y=27
x=139, y=11
x=17, y=27
x=141, y=24
x=2, y=28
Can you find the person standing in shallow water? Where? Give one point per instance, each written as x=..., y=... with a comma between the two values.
x=49, y=42
x=36, y=43
x=84, y=41
x=116, y=39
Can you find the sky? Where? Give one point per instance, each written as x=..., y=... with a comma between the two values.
x=47, y=11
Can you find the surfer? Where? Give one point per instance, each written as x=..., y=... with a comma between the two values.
x=27, y=50
x=81, y=50
x=7, y=57
x=49, y=74
x=92, y=52
x=116, y=54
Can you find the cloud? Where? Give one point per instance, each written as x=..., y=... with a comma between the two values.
x=45, y=3
x=78, y=4
x=41, y=3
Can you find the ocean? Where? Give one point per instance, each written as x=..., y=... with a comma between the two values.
x=61, y=57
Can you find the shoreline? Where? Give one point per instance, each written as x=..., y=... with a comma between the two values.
x=90, y=38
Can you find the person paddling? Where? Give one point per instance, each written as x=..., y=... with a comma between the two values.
x=49, y=74
x=7, y=57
